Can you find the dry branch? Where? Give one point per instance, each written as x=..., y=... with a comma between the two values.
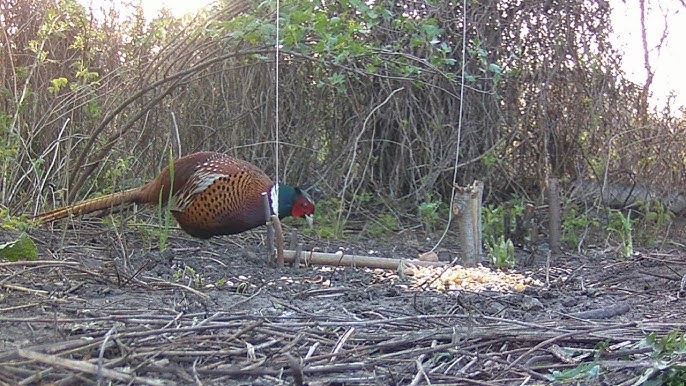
x=89, y=368
x=24, y=289
x=164, y=283
x=39, y=263
x=338, y=259
x=387, y=344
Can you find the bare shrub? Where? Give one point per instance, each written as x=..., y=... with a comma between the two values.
x=370, y=98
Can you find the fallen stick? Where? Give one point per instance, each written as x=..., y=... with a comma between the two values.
x=86, y=367
x=20, y=288
x=39, y=262
x=338, y=259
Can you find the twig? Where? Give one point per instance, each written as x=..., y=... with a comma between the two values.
x=421, y=374
x=19, y=307
x=102, y=351
x=178, y=285
x=24, y=289
x=39, y=262
x=564, y=336
x=341, y=342
x=86, y=367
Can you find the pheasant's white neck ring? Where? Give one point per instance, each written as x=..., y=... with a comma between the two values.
x=274, y=198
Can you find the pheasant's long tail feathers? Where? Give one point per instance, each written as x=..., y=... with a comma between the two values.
x=92, y=205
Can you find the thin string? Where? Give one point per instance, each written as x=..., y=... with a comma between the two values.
x=276, y=107
x=459, y=125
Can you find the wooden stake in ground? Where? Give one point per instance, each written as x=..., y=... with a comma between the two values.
x=467, y=210
x=278, y=235
x=270, y=228
x=273, y=231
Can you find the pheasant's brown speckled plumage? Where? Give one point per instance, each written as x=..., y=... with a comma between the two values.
x=213, y=194
x=222, y=196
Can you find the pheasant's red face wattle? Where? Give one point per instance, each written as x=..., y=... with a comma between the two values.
x=302, y=208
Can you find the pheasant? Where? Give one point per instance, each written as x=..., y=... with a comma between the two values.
x=213, y=194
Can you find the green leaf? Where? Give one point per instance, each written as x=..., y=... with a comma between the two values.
x=337, y=78
x=495, y=68
x=57, y=84
x=21, y=249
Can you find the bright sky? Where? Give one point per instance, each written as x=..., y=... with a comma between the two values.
x=152, y=7
x=178, y=7
x=668, y=64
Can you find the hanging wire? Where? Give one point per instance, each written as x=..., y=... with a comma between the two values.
x=276, y=102
x=459, y=125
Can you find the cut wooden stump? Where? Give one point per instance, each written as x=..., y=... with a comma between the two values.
x=467, y=210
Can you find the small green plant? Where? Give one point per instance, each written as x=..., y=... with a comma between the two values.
x=653, y=223
x=327, y=224
x=13, y=223
x=585, y=371
x=499, y=220
x=110, y=179
x=429, y=214
x=622, y=225
x=490, y=158
x=188, y=274
x=492, y=221
x=22, y=248
x=383, y=226
x=149, y=234
x=221, y=282
x=242, y=288
x=671, y=344
x=178, y=274
x=642, y=226
x=501, y=252
x=667, y=367
x=576, y=224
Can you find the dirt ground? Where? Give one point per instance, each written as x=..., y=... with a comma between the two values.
x=101, y=306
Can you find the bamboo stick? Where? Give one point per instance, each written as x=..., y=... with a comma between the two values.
x=338, y=259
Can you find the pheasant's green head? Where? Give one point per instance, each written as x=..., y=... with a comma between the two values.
x=295, y=202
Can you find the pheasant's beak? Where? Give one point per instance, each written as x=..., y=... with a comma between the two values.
x=310, y=219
